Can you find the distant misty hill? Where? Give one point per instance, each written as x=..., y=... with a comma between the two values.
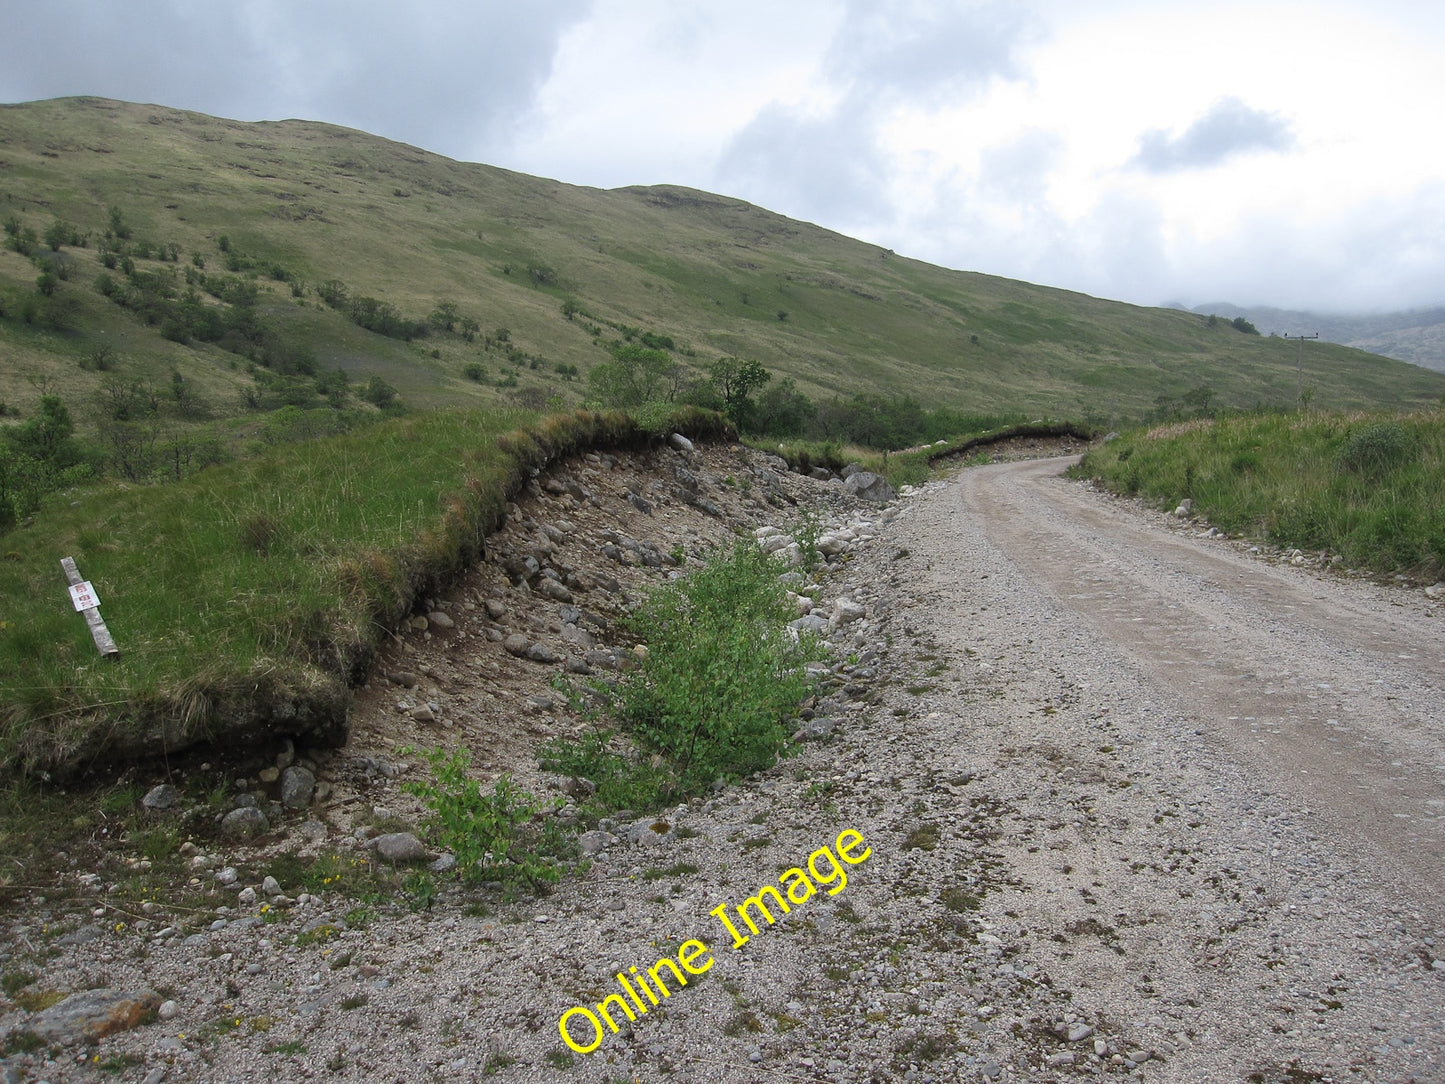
x=1416, y=335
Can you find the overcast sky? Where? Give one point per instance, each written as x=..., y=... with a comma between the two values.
x=1271, y=152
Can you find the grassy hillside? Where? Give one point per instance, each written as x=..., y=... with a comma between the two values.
x=541, y=275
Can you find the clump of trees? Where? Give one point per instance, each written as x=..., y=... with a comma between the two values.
x=642, y=370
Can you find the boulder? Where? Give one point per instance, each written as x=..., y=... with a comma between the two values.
x=298, y=784
x=870, y=486
x=91, y=1015
x=401, y=849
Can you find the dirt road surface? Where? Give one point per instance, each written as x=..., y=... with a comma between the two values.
x=1136, y=804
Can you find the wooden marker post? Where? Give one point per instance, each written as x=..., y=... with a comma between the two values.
x=83, y=596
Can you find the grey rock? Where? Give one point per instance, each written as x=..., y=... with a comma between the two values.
x=444, y=864
x=81, y=935
x=850, y=470
x=1079, y=1032
x=423, y=714
x=496, y=609
x=821, y=474
x=161, y=797
x=244, y=823
x=441, y=620
x=846, y=611
x=595, y=842
x=517, y=644
x=271, y=886
x=870, y=487
x=401, y=848
x=817, y=728
x=579, y=787
x=1065, y=1057
x=543, y=653
x=90, y=1015
x=810, y=623
x=298, y=784
x=554, y=590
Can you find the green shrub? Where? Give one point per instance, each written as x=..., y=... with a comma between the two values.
x=1373, y=449
x=493, y=835
x=721, y=672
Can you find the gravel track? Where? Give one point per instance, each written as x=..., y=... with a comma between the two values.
x=1139, y=805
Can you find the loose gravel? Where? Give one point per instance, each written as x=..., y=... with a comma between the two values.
x=1137, y=804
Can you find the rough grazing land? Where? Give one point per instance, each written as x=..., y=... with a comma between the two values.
x=1138, y=803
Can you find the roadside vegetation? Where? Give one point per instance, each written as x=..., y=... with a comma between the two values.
x=1369, y=487
x=708, y=700
x=258, y=586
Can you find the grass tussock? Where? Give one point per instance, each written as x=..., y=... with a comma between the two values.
x=248, y=598
x=1368, y=487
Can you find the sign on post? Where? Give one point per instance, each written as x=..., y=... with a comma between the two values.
x=87, y=602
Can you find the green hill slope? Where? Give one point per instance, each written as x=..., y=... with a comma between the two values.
x=540, y=274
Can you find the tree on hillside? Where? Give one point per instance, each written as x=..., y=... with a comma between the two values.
x=634, y=376
x=735, y=380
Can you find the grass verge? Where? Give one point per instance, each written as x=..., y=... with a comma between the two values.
x=247, y=599
x=1368, y=487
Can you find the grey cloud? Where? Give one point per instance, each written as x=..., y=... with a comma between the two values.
x=450, y=76
x=927, y=50
x=1228, y=129
x=816, y=168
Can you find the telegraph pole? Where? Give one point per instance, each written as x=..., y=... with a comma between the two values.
x=1299, y=368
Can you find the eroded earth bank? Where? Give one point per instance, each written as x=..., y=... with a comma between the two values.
x=1136, y=802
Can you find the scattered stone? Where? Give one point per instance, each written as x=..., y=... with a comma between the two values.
x=91, y=1015
x=244, y=823
x=401, y=848
x=554, y=590
x=298, y=784
x=423, y=714
x=441, y=620
x=595, y=842
x=543, y=653
x=517, y=644
x=160, y=797
x=870, y=487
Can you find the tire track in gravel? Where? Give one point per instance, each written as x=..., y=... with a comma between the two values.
x=1172, y=736
x=1327, y=689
